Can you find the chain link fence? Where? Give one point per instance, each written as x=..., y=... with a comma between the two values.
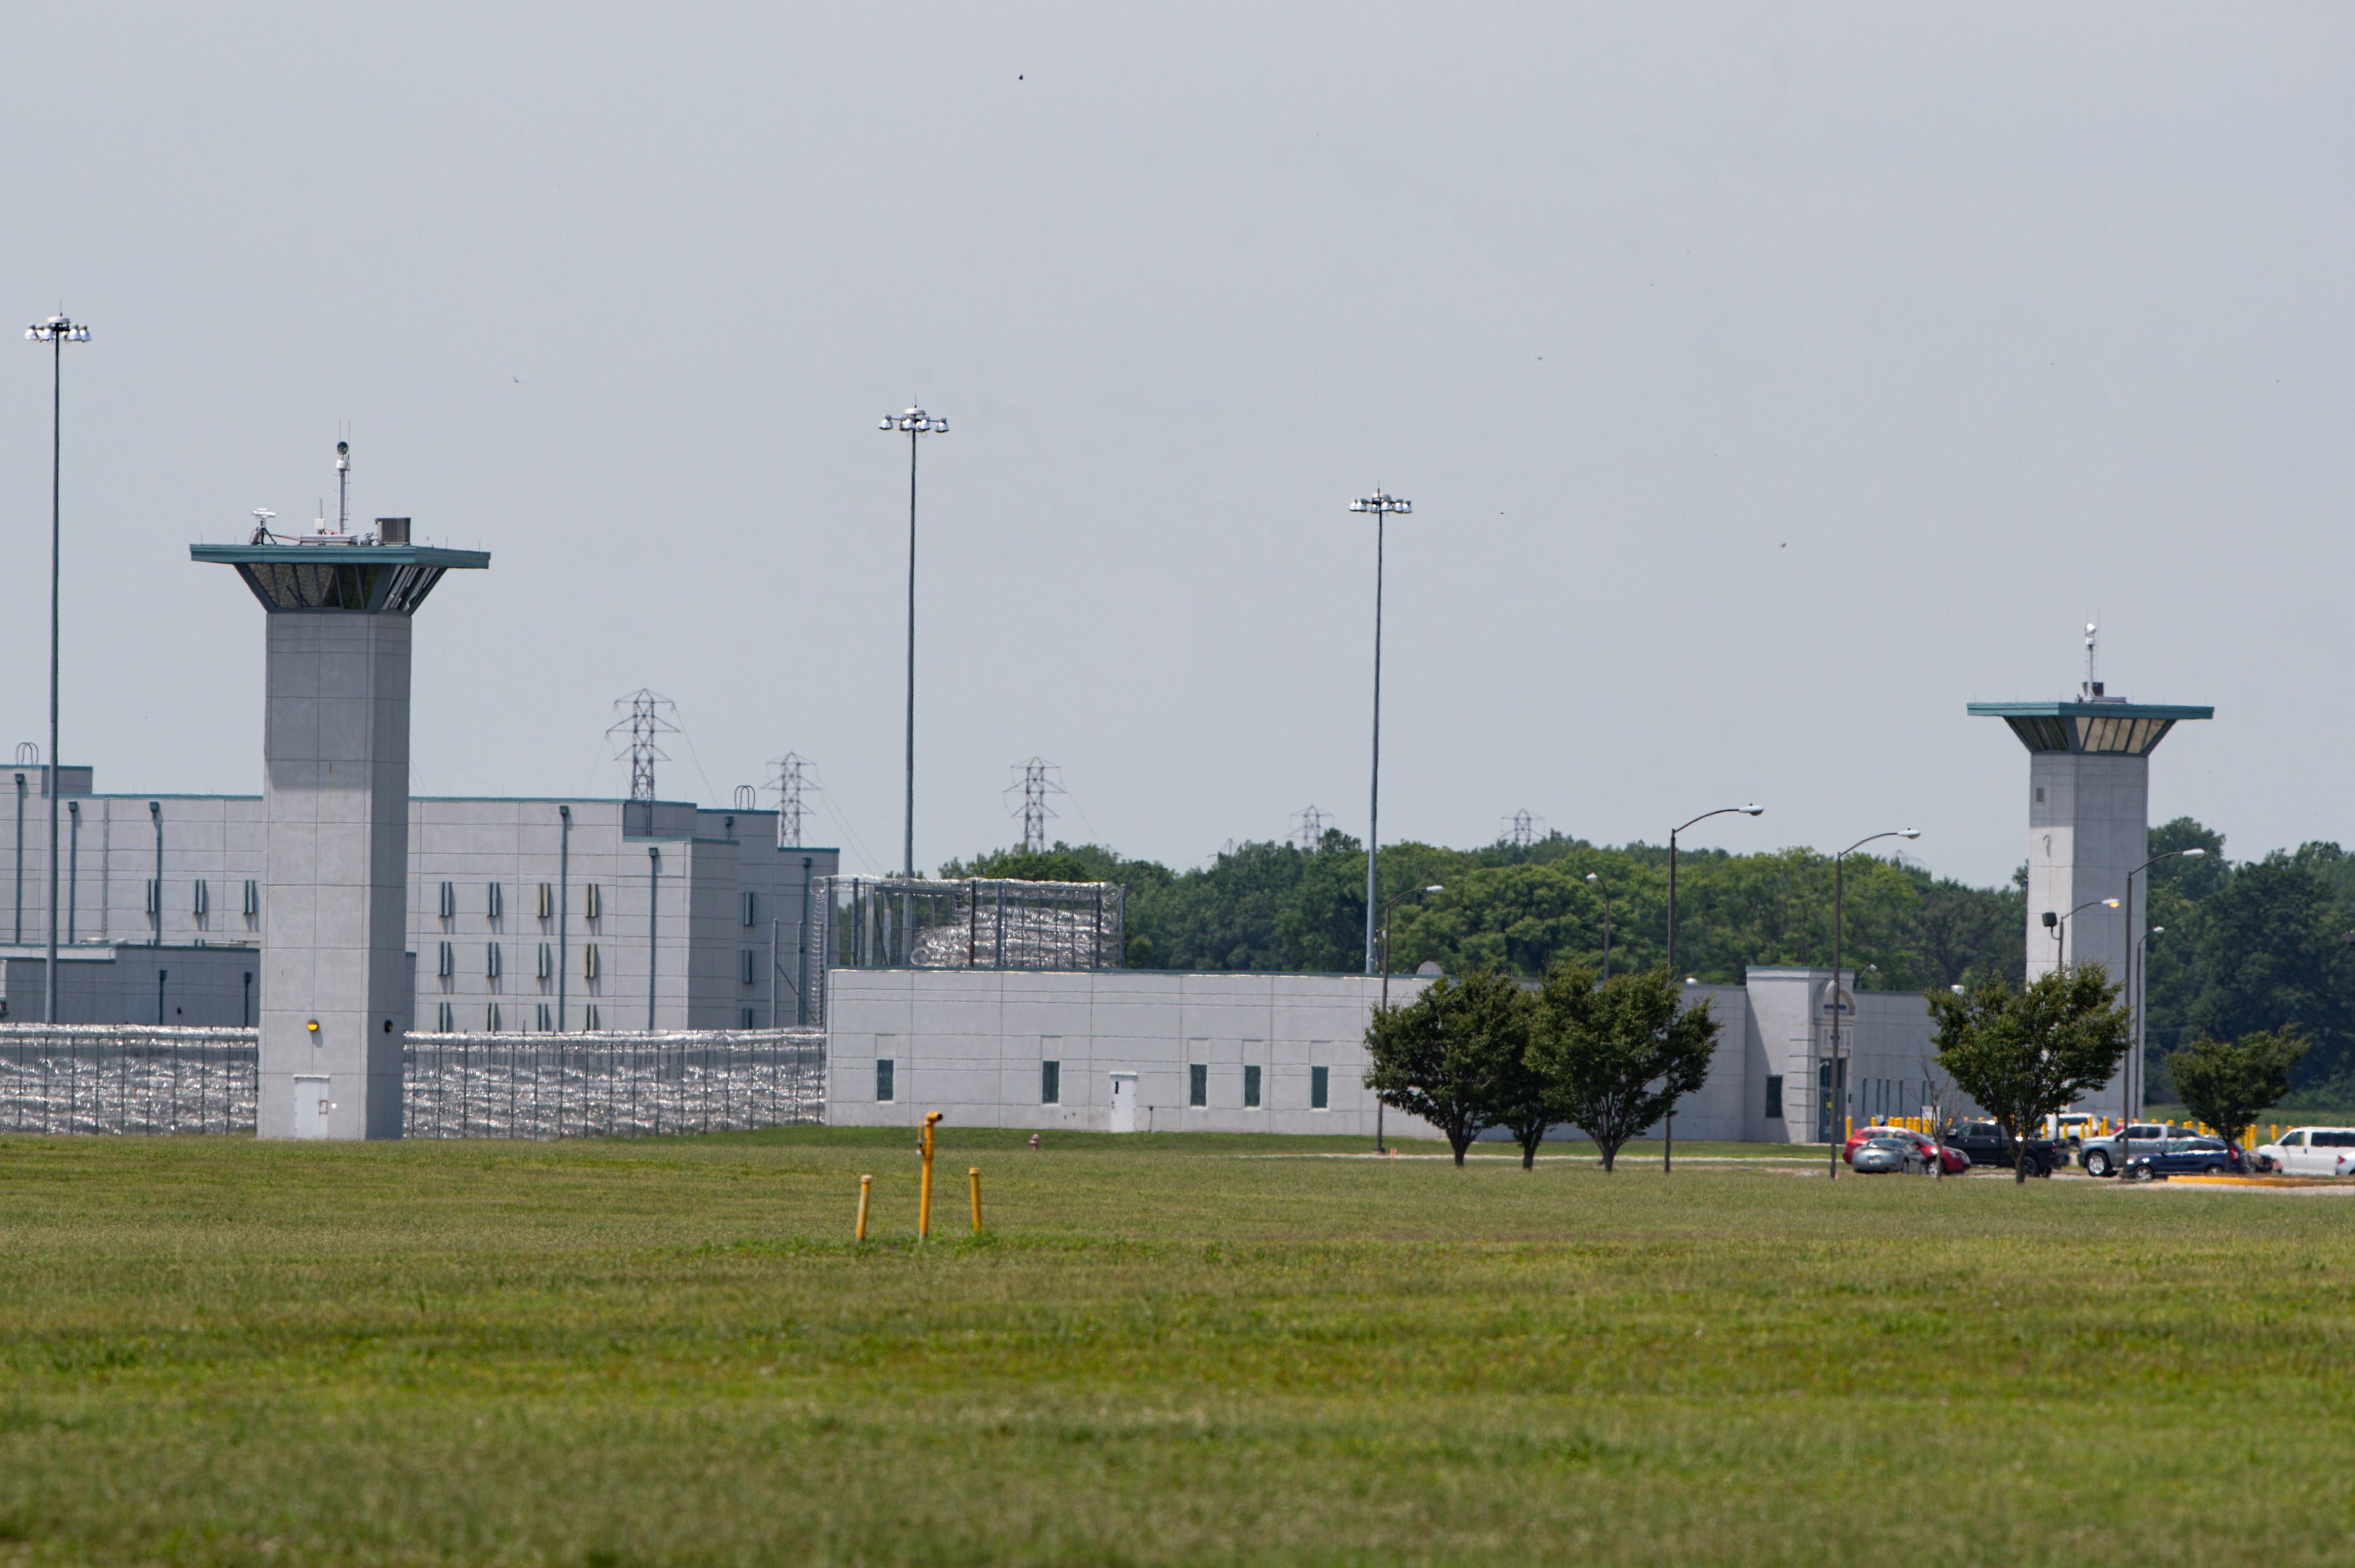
x=138, y=1079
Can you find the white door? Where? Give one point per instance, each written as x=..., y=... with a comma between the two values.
x=310, y=1107
x=1123, y=1103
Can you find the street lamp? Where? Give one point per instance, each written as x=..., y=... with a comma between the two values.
x=2058, y=924
x=1669, y=1132
x=1384, y=505
x=1393, y=903
x=1595, y=882
x=2138, y=981
x=911, y=422
x=57, y=332
x=1839, y=911
x=1752, y=809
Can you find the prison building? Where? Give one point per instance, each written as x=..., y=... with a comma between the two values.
x=623, y=914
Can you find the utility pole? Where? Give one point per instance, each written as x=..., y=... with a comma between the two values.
x=646, y=716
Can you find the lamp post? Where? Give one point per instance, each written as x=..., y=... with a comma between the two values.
x=1752, y=809
x=911, y=422
x=1839, y=911
x=2137, y=980
x=2058, y=924
x=57, y=332
x=1434, y=887
x=2131, y=1099
x=1595, y=881
x=1384, y=505
x=1668, y=1138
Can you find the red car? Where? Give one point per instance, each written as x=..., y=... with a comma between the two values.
x=1954, y=1160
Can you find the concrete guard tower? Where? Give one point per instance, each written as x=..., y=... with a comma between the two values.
x=335, y=988
x=2088, y=816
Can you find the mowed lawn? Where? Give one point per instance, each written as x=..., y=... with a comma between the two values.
x=1163, y=1349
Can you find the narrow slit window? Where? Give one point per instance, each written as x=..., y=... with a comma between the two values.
x=589, y=969
x=1251, y=1088
x=495, y=901
x=546, y=961
x=491, y=1018
x=448, y=963
x=252, y=896
x=884, y=1087
x=491, y=960
x=449, y=900
x=1050, y=1083
x=1198, y=1084
x=1320, y=1088
x=592, y=901
x=202, y=904
x=546, y=909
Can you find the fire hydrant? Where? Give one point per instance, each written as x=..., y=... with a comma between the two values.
x=1034, y=1141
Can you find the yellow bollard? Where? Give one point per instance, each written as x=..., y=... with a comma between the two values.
x=974, y=1172
x=924, y=1199
x=866, y=1190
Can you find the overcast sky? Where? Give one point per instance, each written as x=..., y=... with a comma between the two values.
x=1769, y=383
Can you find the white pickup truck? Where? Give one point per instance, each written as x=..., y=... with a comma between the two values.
x=2309, y=1151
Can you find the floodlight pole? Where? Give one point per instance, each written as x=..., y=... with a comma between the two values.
x=57, y=332
x=1384, y=505
x=912, y=423
x=1839, y=910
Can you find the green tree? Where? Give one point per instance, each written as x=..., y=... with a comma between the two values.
x=2025, y=1054
x=1621, y=1054
x=1442, y=1057
x=2226, y=1085
x=1525, y=1097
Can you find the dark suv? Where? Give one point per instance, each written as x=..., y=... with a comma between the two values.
x=1987, y=1144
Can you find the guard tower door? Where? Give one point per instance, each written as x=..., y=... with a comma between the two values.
x=312, y=1106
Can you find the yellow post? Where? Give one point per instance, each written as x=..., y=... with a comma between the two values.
x=974, y=1172
x=866, y=1190
x=924, y=1197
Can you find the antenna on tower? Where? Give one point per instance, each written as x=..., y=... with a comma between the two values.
x=789, y=779
x=1310, y=832
x=1040, y=779
x=1523, y=828
x=2092, y=635
x=343, y=487
x=644, y=716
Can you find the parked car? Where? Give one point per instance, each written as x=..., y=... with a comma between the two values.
x=1953, y=1160
x=2107, y=1156
x=1986, y=1143
x=2186, y=1157
x=1881, y=1156
x=2309, y=1151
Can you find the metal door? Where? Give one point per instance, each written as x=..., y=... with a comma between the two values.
x=1123, y=1103
x=310, y=1107
x=1828, y=1101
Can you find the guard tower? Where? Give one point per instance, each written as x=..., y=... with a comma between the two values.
x=2088, y=818
x=335, y=986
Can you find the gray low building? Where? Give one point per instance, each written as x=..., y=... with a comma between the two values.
x=148, y=876
x=1119, y=1050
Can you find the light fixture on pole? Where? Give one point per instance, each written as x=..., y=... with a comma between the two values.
x=911, y=422
x=57, y=332
x=1383, y=506
x=1668, y=1131
x=1752, y=809
x=1434, y=887
x=2138, y=982
x=1839, y=895
x=1595, y=881
x=2058, y=924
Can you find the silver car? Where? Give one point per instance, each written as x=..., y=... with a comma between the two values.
x=1900, y=1155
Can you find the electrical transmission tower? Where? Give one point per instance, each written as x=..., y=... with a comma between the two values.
x=1525, y=826
x=1310, y=833
x=789, y=779
x=646, y=716
x=1039, y=779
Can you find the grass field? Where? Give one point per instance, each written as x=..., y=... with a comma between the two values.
x=1164, y=1350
